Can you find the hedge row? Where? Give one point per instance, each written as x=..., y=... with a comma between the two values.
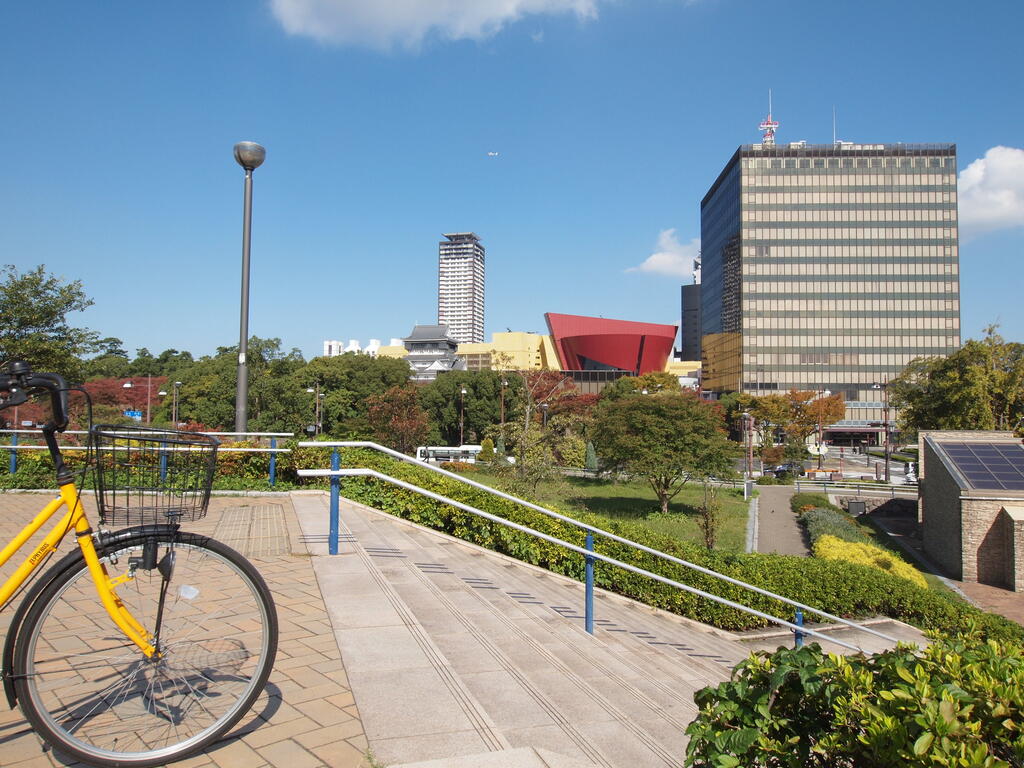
x=826, y=522
x=843, y=589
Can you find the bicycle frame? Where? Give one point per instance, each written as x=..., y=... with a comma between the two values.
x=73, y=518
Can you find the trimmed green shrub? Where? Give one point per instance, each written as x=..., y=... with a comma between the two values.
x=958, y=702
x=768, y=480
x=800, y=501
x=843, y=589
x=827, y=522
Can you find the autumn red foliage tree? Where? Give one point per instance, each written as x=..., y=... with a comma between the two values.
x=397, y=420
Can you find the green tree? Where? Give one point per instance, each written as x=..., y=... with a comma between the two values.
x=35, y=306
x=487, y=454
x=980, y=386
x=481, y=403
x=347, y=383
x=665, y=439
x=277, y=398
x=653, y=382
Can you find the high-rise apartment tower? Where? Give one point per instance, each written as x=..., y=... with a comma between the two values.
x=460, y=286
x=829, y=268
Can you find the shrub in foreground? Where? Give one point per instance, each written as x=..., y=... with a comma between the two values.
x=958, y=702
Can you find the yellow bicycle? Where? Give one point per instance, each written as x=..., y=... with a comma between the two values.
x=146, y=644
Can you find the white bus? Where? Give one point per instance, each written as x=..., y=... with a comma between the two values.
x=436, y=454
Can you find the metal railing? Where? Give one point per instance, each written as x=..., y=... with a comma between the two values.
x=335, y=473
x=832, y=486
x=273, y=450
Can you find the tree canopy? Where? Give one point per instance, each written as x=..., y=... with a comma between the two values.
x=665, y=438
x=980, y=386
x=35, y=306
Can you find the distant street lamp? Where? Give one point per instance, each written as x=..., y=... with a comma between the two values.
x=748, y=442
x=544, y=415
x=174, y=403
x=884, y=386
x=250, y=156
x=504, y=383
x=149, y=392
x=318, y=419
x=823, y=393
x=462, y=415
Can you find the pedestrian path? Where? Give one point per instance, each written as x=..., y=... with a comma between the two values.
x=307, y=717
x=777, y=528
x=455, y=651
x=411, y=647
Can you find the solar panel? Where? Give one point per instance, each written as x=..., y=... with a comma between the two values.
x=988, y=466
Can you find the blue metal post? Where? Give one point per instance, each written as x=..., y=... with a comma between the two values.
x=589, y=611
x=13, y=465
x=273, y=461
x=163, y=462
x=798, y=635
x=332, y=539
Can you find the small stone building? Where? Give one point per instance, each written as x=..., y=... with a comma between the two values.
x=972, y=505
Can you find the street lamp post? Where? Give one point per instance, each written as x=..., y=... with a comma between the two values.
x=250, y=156
x=544, y=415
x=462, y=415
x=748, y=424
x=317, y=417
x=504, y=383
x=884, y=386
x=821, y=395
x=174, y=404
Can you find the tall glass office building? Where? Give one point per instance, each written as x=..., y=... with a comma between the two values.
x=829, y=268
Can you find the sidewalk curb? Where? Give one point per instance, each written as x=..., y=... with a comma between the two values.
x=752, y=523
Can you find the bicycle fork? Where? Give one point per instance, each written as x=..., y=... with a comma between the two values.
x=106, y=586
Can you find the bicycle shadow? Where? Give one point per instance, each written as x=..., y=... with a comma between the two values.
x=260, y=715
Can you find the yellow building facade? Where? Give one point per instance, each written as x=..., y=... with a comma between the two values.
x=511, y=351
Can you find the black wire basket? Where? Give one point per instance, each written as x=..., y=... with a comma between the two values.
x=147, y=476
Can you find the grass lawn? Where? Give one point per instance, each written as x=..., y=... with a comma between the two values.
x=636, y=501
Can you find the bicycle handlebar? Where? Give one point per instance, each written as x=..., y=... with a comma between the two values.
x=21, y=382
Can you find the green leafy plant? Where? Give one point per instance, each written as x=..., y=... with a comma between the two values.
x=957, y=702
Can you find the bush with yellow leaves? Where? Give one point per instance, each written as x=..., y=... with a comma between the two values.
x=830, y=547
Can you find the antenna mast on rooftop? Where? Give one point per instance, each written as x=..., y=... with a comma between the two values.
x=768, y=125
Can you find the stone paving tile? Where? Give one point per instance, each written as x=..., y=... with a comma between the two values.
x=307, y=717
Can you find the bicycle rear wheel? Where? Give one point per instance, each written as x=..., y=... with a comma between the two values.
x=93, y=695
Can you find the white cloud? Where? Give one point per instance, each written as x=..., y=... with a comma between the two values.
x=991, y=192
x=387, y=24
x=672, y=257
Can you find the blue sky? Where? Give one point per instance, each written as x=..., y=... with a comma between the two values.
x=611, y=119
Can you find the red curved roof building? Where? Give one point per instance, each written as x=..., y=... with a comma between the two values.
x=599, y=344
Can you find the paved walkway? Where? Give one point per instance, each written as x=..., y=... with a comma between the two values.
x=453, y=653
x=307, y=717
x=777, y=528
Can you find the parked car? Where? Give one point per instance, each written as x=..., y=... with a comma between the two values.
x=791, y=468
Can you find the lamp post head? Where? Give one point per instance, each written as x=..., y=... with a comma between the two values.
x=162, y=393
x=126, y=385
x=177, y=383
x=463, y=390
x=249, y=155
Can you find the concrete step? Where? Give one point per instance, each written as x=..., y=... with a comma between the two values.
x=510, y=634
x=524, y=757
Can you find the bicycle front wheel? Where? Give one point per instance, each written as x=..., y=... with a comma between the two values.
x=92, y=694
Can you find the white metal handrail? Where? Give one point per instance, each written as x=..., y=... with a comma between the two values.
x=575, y=548
x=590, y=528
